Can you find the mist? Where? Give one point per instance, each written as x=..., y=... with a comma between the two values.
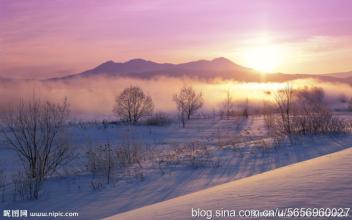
x=94, y=98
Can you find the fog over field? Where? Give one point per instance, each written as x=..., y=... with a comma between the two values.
x=94, y=98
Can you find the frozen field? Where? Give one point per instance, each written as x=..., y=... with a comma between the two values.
x=239, y=148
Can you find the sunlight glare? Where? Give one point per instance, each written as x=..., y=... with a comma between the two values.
x=264, y=59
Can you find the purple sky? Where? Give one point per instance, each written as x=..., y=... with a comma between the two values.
x=40, y=38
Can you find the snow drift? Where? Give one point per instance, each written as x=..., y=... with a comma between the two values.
x=321, y=182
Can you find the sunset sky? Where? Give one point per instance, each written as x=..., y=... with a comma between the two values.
x=40, y=38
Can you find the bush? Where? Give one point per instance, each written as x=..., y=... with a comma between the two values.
x=311, y=116
x=127, y=155
x=269, y=117
x=101, y=161
x=158, y=119
x=109, y=162
x=22, y=186
x=96, y=185
x=319, y=120
x=303, y=112
x=2, y=183
x=194, y=155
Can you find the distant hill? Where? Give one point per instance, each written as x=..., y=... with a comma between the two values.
x=6, y=80
x=200, y=69
x=219, y=67
x=339, y=75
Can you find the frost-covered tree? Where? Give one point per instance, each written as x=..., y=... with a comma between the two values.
x=36, y=132
x=228, y=105
x=188, y=102
x=284, y=103
x=132, y=104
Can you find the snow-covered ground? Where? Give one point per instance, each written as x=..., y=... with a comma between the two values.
x=241, y=147
x=323, y=182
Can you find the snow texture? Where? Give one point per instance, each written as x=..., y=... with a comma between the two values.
x=321, y=182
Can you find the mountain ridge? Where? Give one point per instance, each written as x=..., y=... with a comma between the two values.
x=147, y=68
x=342, y=75
x=219, y=67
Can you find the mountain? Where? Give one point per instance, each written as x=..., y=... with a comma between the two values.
x=6, y=80
x=339, y=75
x=219, y=67
x=201, y=69
x=131, y=67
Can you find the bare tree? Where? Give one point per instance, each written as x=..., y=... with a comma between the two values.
x=245, y=112
x=36, y=131
x=188, y=102
x=132, y=104
x=303, y=112
x=228, y=105
x=114, y=162
x=101, y=159
x=2, y=183
x=313, y=116
x=284, y=102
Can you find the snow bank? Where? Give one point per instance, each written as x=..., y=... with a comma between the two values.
x=325, y=181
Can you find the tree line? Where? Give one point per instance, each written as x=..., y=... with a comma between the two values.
x=133, y=104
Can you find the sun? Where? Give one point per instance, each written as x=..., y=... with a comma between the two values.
x=264, y=58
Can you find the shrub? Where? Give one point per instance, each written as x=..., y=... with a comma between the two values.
x=22, y=186
x=109, y=162
x=158, y=119
x=96, y=185
x=101, y=161
x=2, y=183
x=194, y=155
x=127, y=155
x=303, y=112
